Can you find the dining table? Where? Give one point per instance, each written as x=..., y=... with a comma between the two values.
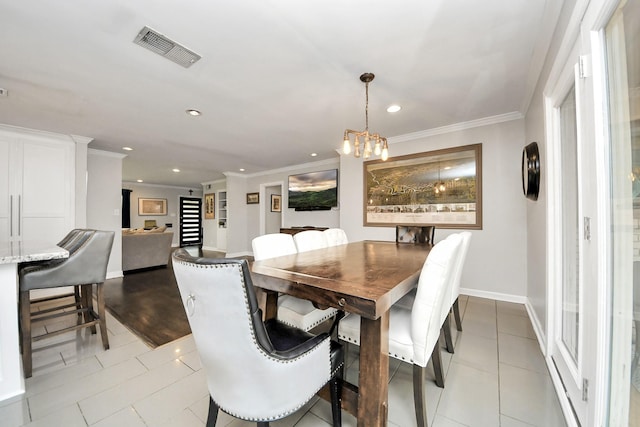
x=364, y=278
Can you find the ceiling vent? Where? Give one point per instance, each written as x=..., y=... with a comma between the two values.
x=161, y=45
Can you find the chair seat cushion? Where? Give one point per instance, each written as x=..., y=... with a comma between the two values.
x=301, y=313
x=284, y=337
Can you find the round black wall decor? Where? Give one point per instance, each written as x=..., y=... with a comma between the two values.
x=531, y=171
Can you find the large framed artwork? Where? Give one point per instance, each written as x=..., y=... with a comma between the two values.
x=442, y=188
x=152, y=206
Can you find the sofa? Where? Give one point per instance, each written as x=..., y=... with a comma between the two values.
x=145, y=248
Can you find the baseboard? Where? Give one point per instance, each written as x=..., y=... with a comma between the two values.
x=498, y=296
x=238, y=254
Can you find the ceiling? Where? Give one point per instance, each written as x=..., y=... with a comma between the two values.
x=278, y=79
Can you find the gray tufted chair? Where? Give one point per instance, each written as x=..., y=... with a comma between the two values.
x=89, y=252
x=256, y=371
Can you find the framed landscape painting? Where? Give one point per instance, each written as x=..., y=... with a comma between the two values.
x=152, y=206
x=442, y=188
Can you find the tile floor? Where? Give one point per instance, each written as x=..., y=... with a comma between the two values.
x=497, y=377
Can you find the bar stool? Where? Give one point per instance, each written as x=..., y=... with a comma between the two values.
x=89, y=252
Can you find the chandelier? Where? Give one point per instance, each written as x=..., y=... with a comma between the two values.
x=380, y=147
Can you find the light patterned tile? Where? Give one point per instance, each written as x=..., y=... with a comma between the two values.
x=401, y=404
x=117, y=355
x=511, y=308
x=470, y=397
x=170, y=401
x=167, y=352
x=478, y=352
x=126, y=417
x=128, y=392
x=47, y=402
x=515, y=325
x=68, y=416
x=14, y=414
x=61, y=376
x=521, y=352
x=441, y=421
x=185, y=418
x=529, y=397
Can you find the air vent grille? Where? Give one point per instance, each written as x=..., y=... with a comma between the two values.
x=163, y=46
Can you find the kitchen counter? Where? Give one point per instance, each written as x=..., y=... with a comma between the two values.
x=11, y=254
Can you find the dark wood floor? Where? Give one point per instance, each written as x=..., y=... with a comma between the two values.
x=148, y=302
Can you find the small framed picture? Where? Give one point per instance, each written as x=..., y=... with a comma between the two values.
x=209, y=206
x=276, y=203
x=253, y=198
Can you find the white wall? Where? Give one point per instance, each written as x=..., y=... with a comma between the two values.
x=104, y=201
x=496, y=262
x=172, y=194
x=210, y=226
x=244, y=220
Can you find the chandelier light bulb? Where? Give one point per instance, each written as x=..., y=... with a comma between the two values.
x=346, y=146
x=377, y=150
x=385, y=153
x=357, y=151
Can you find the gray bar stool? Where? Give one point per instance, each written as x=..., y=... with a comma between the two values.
x=89, y=252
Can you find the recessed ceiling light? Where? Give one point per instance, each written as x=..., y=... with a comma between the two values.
x=127, y=148
x=176, y=170
x=241, y=169
x=139, y=180
x=314, y=154
x=193, y=112
x=393, y=108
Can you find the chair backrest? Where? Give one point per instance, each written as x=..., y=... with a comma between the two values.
x=273, y=245
x=431, y=295
x=459, y=266
x=335, y=236
x=415, y=234
x=245, y=376
x=309, y=240
x=89, y=252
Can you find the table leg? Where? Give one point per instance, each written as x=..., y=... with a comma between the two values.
x=374, y=372
x=271, y=305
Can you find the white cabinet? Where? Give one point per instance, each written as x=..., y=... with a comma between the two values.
x=37, y=186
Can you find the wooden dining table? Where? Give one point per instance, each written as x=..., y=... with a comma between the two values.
x=364, y=278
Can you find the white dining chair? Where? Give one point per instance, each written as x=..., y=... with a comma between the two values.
x=292, y=311
x=414, y=333
x=335, y=236
x=309, y=240
x=407, y=300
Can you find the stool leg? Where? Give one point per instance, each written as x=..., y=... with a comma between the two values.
x=102, y=315
x=25, y=325
x=87, y=303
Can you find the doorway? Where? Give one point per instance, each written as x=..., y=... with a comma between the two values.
x=271, y=217
x=190, y=221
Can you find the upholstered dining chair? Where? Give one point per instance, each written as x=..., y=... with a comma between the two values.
x=414, y=333
x=293, y=311
x=407, y=300
x=335, y=236
x=309, y=240
x=256, y=371
x=89, y=252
